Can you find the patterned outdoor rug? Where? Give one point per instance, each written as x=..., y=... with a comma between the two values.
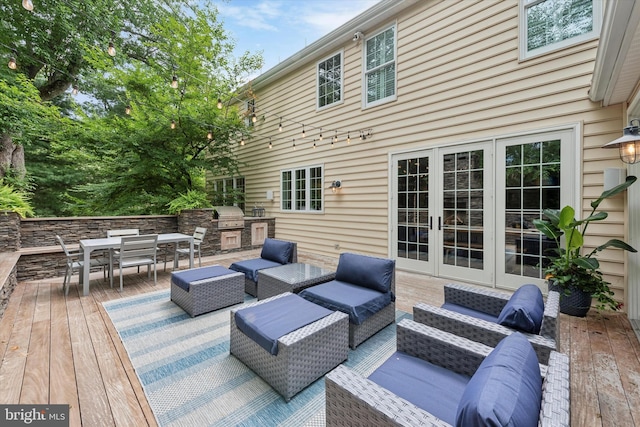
x=190, y=379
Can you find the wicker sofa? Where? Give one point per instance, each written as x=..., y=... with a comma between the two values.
x=438, y=357
x=274, y=254
x=364, y=288
x=475, y=313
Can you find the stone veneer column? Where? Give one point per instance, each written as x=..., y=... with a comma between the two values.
x=9, y=231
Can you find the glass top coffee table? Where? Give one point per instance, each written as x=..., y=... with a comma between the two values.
x=290, y=278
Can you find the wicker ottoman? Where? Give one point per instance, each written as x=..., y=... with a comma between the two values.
x=303, y=356
x=201, y=290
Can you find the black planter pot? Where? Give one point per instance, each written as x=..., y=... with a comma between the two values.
x=574, y=303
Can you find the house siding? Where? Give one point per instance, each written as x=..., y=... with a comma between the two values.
x=459, y=78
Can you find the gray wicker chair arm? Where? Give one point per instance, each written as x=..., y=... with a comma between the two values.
x=354, y=401
x=441, y=348
x=478, y=330
x=551, y=323
x=478, y=299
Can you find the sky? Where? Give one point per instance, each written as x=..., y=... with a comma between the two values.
x=280, y=28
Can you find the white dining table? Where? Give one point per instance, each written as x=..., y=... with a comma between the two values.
x=90, y=245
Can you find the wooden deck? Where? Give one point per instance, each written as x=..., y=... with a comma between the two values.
x=65, y=350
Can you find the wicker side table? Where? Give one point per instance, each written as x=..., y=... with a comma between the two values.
x=290, y=278
x=208, y=293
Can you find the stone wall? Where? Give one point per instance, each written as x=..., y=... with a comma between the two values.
x=42, y=257
x=9, y=231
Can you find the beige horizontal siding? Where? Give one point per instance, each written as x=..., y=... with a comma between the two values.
x=459, y=79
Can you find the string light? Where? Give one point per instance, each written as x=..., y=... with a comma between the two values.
x=173, y=124
x=280, y=126
x=320, y=134
x=12, y=61
x=111, y=50
x=336, y=137
x=314, y=144
x=174, y=82
x=219, y=105
x=303, y=132
x=253, y=118
x=242, y=140
x=270, y=146
x=27, y=4
x=127, y=110
x=210, y=134
x=294, y=145
x=74, y=91
x=348, y=138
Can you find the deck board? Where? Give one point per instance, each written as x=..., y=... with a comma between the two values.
x=72, y=342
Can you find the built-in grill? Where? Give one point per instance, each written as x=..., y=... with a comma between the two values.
x=229, y=217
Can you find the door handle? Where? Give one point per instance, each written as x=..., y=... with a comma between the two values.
x=431, y=223
x=439, y=223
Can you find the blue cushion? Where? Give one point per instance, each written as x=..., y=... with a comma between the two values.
x=250, y=267
x=470, y=312
x=358, y=302
x=366, y=271
x=524, y=310
x=265, y=323
x=277, y=250
x=506, y=390
x=433, y=388
x=185, y=277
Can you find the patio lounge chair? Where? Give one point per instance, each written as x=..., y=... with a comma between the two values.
x=439, y=379
x=488, y=316
x=274, y=254
x=364, y=288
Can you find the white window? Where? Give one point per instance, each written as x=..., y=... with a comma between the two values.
x=250, y=113
x=330, y=81
x=548, y=25
x=301, y=189
x=380, y=67
x=229, y=192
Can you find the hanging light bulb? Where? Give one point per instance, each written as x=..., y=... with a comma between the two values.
x=219, y=105
x=270, y=146
x=174, y=82
x=320, y=134
x=314, y=144
x=111, y=50
x=280, y=126
x=127, y=110
x=348, y=138
x=336, y=137
x=173, y=124
x=254, y=118
x=74, y=90
x=303, y=132
x=12, y=63
x=27, y=4
x=210, y=135
x=294, y=145
x=242, y=140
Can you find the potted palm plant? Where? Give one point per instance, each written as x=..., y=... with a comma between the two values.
x=572, y=272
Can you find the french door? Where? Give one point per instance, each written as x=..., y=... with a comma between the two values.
x=465, y=212
x=440, y=204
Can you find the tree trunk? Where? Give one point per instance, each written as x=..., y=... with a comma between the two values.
x=11, y=157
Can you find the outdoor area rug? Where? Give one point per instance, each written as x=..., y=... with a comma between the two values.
x=190, y=379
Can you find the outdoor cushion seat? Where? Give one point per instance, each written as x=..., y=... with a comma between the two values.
x=266, y=323
x=363, y=288
x=274, y=254
x=439, y=379
x=487, y=316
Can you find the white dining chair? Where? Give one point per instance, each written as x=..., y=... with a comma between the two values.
x=198, y=238
x=74, y=263
x=135, y=251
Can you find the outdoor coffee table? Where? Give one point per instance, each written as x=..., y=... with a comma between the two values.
x=290, y=278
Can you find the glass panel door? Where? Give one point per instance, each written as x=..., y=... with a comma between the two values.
x=412, y=213
x=465, y=251
x=532, y=179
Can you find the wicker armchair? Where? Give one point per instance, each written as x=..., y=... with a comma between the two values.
x=472, y=317
x=274, y=254
x=353, y=400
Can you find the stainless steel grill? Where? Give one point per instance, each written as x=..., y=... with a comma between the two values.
x=229, y=217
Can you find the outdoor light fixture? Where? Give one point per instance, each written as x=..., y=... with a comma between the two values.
x=27, y=4
x=629, y=143
x=335, y=186
x=127, y=110
x=174, y=82
x=12, y=63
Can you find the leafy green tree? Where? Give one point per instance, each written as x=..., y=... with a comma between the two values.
x=107, y=162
